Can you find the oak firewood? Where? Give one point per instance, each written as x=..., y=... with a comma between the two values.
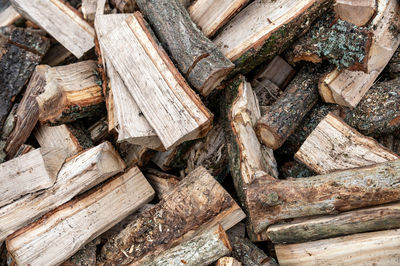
x=99, y=130
x=375, y=248
x=198, y=203
x=276, y=200
x=162, y=183
x=249, y=254
x=200, y=61
x=267, y=93
x=71, y=92
x=134, y=154
x=175, y=158
x=264, y=29
x=393, y=67
x=333, y=145
x=358, y=221
x=60, y=21
x=357, y=12
x=211, y=15
x=59, y=234
x=348, y=87
x=228, y=261
x=76, y=176
x=8, y=15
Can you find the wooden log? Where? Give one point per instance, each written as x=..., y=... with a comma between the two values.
x=24, y=149
x=89, y=8
x=358, y=221
x=56, y=55
x=277, y=200
x=200, y=250
x=29, y=173
x=393, y=67
x=375, y=248
x=228, y=261
x=125, y=6
x=61, y=22
x=71, y=92
x=8, y=16
x=294, y=169
x=264, y=29
x=99, y=130
x=200, y=61
x=9, y=124
x=181, y=214
x=356, y=12
x=334, y=145
x=348, y=87
x=210, y=16
x=135, y=154
x=282, y=118
x=86, y=256
x=249, y=254
x=76, y=176
x=267, y=93
x=391, y=141
x=3, y=254
x=62, y=232
x=162, y=183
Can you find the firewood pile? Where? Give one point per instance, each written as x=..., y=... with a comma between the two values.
x=178, y=132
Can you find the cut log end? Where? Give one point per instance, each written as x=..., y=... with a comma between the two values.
x=268, y=137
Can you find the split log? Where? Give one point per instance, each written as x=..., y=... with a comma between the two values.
x=267, y=93
x=89, y=8
x=9, y=124
x=162, y=183
x=348, y=87
x=71, y=92
x=134, y=154
x=200, y=250
x=99, y=130
x=334, y=145
x=375, y=248
x=282, y=117
x=359, y=221
x=62, y=232
x=125, y=6
x=86, y=256
x=200, y=61
x=174, y=98
x=24, y=149
x=8, y=16
x=174, y=158
x=249, y=254
x=357, y=12
x=56, y=55
x=228, y=261
x=60, y=21
x=198, y=203
x=277, y=200
x=264, y=29
x=29, y=173
x=76, y=176
x=210, y=16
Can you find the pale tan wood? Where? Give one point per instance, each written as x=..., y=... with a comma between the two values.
x=228, y=261
x=8, y=16
x=211, y=15
x=89, y=8
x=375, y=248
x=170, y=106
x=162, y=183
x=134, y=154
x=165, y=159
x=358, y=12
x=60, y=21
x=278, y=71
x=348, y=87
x=76, y=176
x=334, y=145
x=29, y=173
x=62, y=232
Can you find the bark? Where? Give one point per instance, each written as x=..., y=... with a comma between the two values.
x=294, y=169
x=267, y=93
x=249, y=254
x=99, y=130
x=135, y=154
x=86, y=256
x=125, y=6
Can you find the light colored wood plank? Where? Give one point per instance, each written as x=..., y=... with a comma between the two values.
x=357, y=12
x=8, y=16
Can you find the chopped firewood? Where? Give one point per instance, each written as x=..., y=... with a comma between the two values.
x=200, y=61
x=267, y=93
x=99, y=130
x=200, y=250
x=210, y=15
x=125, y=6
x=8, y=16
x=276, y=200
x=358, y=221
x=62, y=232
x=198, y=203
x=60, y=21
x=239, y=230
x=162, y=183
x=71, y=92
x=77, y=175
x=6, y=131
x=86, y=256
x=228, y=261
x=56, y=55
x=89, y=8
x=375, y=248
x=25, y=148
x=333, y=145
x=29, y=173
x=294, y=169
x=135, y=154
x=173, y=158
x=249, y=254
x=264, y=29
x=348, y=87
x=286, y=113
x=357, y=12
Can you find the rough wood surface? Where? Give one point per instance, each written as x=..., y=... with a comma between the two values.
x=60, y=21
x=86, y=256
x=99, y=130
x=8, y=16
x=375, y=248
x=333, y=145
x=198, y=202
x=125, y=6
x=56, y=55
x=77, y=175
x=228, y=261
x=357, y=12
x=200, y=61
x=162, y=183
x=62, y=232
x=134, y=154
x=248, y=253
x=267, y=93
x=89, y=8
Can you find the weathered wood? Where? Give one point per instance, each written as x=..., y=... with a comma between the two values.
x=162, y=183
x=99, y=130
x=357, y=12
x=267, y=93
x=276, y=200
x=358, y=221
x=228, y=261
x=249, y=254
x=334, y=145
x=264, y=29
x=375, y=248
x=77, y=175
x=60, y=21
x=211, y=15
x=134, y=154
x=56, y=55
x=348, y=87
x=89, y=8
x=393, y=67
x=391, y=141
x=200, y=61
x=8, y=16
x=62, y=232
x=25, y=148
x=125, y=6
x=86, y=256
x=294, y=169
x=197, y=203
x=200, y=250
x=9, y=124
x=29, y=173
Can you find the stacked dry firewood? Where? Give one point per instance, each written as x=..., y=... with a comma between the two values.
x=178, y=132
